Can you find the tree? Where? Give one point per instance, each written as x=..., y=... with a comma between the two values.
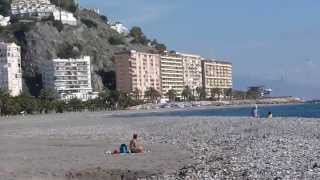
x=172, y=94
x=75, y=105
x=202, y=94
x=138, y=36
x=187, y=93
x=4, y=98
x=228, y=93
x=116, y=40
x=216, y=92
x=4, y=7
x=47, y=96
x=152, y=94
x=136, y=93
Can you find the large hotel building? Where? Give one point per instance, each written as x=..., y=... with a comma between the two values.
x=172, y=76
x=70, y=78
x=10, y=68
x=137, y=72
x=216, y=74
x=192, y=71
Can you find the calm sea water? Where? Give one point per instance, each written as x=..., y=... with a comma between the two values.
x=301, y=110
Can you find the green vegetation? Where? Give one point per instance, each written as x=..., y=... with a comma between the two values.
x=116, y=40
x=159, y=46
x=89, y=23
x=138, y=36
x=47, y=103
x=201, y=93
x=172, y=94
x=152, y=94
x=67, y=51
x=4, y=7
x=187, y=94
x=58, y=25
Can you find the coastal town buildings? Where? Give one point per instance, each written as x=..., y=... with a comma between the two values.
x=192, y=71
x=71, y=78
x=10, y=68
x=172, y=73
x=65, y=17
x=136, y=72
x=32, y=8
x=216, y=74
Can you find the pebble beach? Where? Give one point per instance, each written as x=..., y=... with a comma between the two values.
x=73, y=146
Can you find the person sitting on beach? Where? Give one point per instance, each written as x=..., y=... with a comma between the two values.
x=270, y=115
x=135, y=146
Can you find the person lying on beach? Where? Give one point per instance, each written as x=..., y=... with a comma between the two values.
x=135, y=145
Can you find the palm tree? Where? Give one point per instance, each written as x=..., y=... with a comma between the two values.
x=201, y=93
x=228, y=93
x=4, y=97
x=186, y=93
x=152, y=94
x=216, y=92
x=172, y=94
x=137, y=93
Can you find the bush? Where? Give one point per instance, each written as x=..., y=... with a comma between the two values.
x=89, y=23
x=5, y=7
x=104, y=18
x=116, y=40
x=58, y=25
x=67, y=51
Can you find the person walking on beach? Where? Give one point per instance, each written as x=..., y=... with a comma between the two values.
x=254, y=112
x=135, y=145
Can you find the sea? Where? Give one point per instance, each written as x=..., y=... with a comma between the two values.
x=297, y=110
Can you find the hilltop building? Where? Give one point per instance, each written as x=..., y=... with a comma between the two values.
x=136, y=72
x=32, y=8
x=172, y=73
x=120, y=28
x=192, y=71
x=216, y=74
x=71, y=78
x=66, y=17
x=10, y=68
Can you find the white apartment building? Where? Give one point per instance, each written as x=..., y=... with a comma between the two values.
x=192, y=71
x=10, y=68
x=66, y=17
x=120, y=28
x=136, y=72
x=36, y=8
x=216, y=74
x=172, y=75
x=71, y=78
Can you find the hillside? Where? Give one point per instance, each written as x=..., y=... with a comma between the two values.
x=45, y=40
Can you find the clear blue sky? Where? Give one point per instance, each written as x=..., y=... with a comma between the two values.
x=273, y=42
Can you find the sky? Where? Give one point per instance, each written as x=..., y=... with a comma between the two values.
x=275, y=43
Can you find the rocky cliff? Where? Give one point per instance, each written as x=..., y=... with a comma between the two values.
x=42, y=41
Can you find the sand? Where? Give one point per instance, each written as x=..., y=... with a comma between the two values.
x=72, y=146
